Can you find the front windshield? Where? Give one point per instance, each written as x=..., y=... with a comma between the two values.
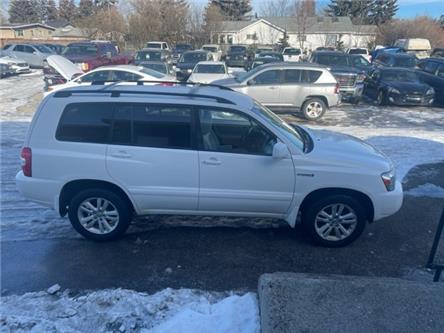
x=292, y=51
x=193, y=57
x=151, y=72
x=43, y=48
x=399, y=76
x=289, y=132
x=149, y=55
x=333, y=59
x=238, y=49
x=156, y=67
x=405, y=62
x=247, y=75
x=209, y=69
x=210, y=48
x=80, y=49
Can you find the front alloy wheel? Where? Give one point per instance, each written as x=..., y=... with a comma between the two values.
x=335, y=222
x=98, y=215
x=313, y=109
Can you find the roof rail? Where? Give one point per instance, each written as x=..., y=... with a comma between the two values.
x=116, y=93
x=177, y=83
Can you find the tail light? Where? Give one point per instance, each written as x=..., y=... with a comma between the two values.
x=85, y=66
x=337, y=88
x=26, y=156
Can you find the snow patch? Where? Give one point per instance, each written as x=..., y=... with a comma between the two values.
x=122, y=310
x=426, y=190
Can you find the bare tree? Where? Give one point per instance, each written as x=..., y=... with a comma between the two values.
x=276, y=8
x=303, y=9
x=213, y=18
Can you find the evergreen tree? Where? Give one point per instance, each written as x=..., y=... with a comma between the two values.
x=383, y=11
x=233, y=9
x=51, y=10
x=357, y=10
x=67, y=10
x=441, y=21
x=105, y=3
x=86, y=8
x=23, y=11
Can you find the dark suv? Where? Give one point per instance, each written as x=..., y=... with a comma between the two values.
x=431, y=71
x=238, y=56
x=349, y=76
x=386, y=59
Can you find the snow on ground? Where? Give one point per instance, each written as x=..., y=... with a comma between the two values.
x=409, y=136
x=428, y=190
x=121, y=310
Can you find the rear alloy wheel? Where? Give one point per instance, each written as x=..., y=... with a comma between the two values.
x=380, y=100
x=335, y=221
x=313, y=109
x=99, y=215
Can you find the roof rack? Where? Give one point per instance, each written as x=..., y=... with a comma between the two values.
x=116, y=93
x=142, y=82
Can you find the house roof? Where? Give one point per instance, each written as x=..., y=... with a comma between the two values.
x=70, y=31
x=58, y=23
x=313, y=24
x=21, y=26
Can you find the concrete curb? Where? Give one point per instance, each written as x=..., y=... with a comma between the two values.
x=292, y=302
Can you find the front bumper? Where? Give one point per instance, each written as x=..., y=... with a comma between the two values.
x=388, y=203
x=402, y=99
x=21, y=69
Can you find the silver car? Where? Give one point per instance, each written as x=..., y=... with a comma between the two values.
x=33, y=54
x=310, y=88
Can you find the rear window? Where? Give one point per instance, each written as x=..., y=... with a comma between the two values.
x=292, y=51
x=210, y=48
x=85, y=122
x=149, y=55
x=154, y=45
x=238, y=49
x=210, y=69
x=80, y=49
x=357, y=51
x=332, y=59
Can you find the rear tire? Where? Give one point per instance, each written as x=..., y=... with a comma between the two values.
x=313, y=108
x=100, y=215
x=380, y=99
x=334, y=221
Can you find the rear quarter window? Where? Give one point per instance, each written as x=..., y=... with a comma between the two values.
x=85, y=122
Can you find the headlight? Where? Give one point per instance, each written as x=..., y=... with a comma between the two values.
x=84, y=66
x=431, y=91
x=189, y=70
x=389, y=180
x=394, y=91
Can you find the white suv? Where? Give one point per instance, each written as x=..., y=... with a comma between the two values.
x=102, y=154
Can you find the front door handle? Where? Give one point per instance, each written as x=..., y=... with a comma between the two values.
x=121, y=154
x=212, y=161
x=273, y=88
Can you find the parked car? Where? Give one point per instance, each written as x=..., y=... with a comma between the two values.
x=387, y=59
x=398, y=86
x=287, y=86
x=262, y=61
x=349, y=77
x=362, y=51
x=360, y=62
x=33, y=54
x=418, y=47
x=238, y=56
x=145, y=55
x=158, y=45
x=66, y=74
x=18, y=66
x=292, y=54
x=188, y=60
x=209, y=71
x=103, y=156
x=431, y=71
x=56, y=48
x=90, y=55
x=276, y=55
x=259, y=49
x=178, y=50
x=389, y=49
x=158, y=66
x=437, y=53
x=5, y=70
x=215, y=51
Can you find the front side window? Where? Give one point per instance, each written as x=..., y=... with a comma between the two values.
x=430, y=67
x=28, y=49
x=441, y=71
x=229, y=132
x=85, y=122
x=266, y=78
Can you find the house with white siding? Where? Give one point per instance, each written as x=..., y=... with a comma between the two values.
x=307, y=32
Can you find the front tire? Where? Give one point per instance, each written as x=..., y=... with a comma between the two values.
x=334, y=221
x=99, y=215
x=380, y=99
x=313, y=108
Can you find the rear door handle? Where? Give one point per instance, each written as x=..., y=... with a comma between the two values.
x=121, y=154
x=212, y=161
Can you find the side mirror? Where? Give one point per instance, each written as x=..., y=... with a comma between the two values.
x=280, y=151
x=251, y=82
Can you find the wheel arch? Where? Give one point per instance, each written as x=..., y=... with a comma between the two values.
x=319, y=193
x=322, y=98
x=73, y=187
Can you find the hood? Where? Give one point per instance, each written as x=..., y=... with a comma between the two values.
x=63, y=66
x=408, y=87
x=207, y=78
x=226, y=82
x=347, y=151
x=343, y=69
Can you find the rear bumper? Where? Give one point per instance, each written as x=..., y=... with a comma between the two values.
x=348, y=93
x=388, y=203
x=237, y=63
x=43, y=191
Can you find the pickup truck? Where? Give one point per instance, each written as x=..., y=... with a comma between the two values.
x=90, y=55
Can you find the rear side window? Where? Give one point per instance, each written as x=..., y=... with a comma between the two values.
x=156, y=126
x=85, y=122
x=292, y=76
x=308, y=76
